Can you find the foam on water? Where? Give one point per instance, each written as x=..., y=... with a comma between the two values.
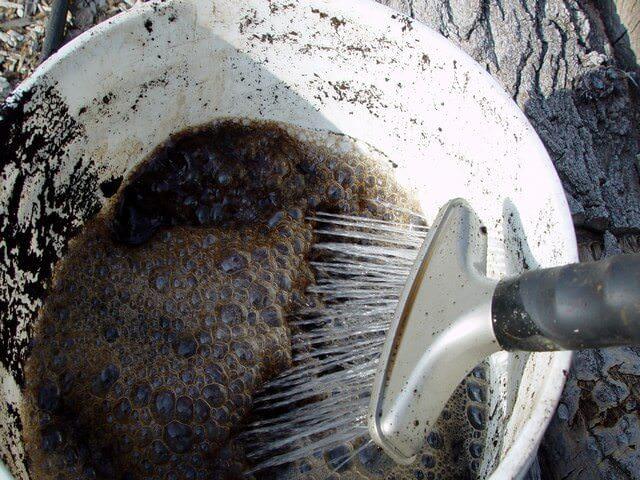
x=199, y=284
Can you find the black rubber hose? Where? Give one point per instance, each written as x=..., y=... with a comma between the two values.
x=584, y=305
x=54, y=34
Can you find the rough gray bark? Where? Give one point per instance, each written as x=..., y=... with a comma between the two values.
x=565, y=67
x=622, y=20
x=596, y=430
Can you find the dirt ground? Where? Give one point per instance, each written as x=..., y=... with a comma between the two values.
x=22, y=27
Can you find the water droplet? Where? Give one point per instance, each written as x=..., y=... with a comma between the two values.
x=435, y=440
x=201, y=411
x=214, y=394
x=189, y=265
x=216, y=373
x=475, y=449
x=338, y=458
x=179, y=437
x=243, y=351
x=476, y=417
x=479, y=372
x=186, y=376
x=123, y=409
x=260, y=254
x=187, y=472
x=215, y=433
x=298, y=246
x=475, y=392
x=374, y=460
x=284, y=281
x=66, y=382
x=275, y=219
x=160, y=453
x=105, y=380
x=231, y=314
x=48, y=396
x=428, y=461
x=563, y=411
x=224, y=178
x=186, y=347
x=204, y=338
x=111, y=334
x=258, y=295
x=233, y=263
x=335, y=192
x=163, y=405
x=203, y=213
x=296, y=213
x=313, y=201
x=161, y=282
x=209, y=240
x=70, y=457
x=184, y=409
x=272, y=316
x=51, y=439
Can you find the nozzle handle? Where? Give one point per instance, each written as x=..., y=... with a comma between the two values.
x=582, y=305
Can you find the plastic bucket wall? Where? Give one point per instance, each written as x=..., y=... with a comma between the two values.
x=97, y=107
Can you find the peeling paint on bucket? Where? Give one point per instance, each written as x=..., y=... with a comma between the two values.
x=103, y=102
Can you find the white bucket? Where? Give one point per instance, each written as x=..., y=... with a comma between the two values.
x=103, y=102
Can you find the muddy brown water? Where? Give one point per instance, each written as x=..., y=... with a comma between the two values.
x=170, y=309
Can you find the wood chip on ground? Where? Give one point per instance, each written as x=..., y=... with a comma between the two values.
x=22, y=30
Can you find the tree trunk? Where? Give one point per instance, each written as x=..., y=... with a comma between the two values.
x=570, y=67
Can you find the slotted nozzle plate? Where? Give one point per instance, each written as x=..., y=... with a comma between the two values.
x=441, y=330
